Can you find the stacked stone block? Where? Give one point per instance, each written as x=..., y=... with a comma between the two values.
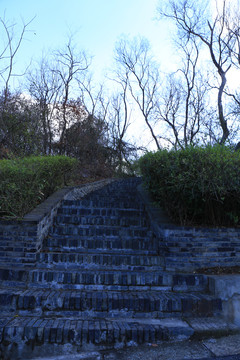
x=99, y=279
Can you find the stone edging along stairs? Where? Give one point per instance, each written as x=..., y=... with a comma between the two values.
x=100, y=279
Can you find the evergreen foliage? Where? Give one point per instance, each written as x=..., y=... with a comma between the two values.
x=26, y=182
x=196, y=185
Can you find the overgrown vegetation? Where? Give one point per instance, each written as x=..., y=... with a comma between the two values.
x=60, y=110
x=25, y=182
x=196, y=185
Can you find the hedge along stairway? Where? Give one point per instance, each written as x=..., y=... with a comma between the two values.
x=100, y=280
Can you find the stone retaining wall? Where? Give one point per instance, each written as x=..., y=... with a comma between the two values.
x=21, y=240
x=190, y=248
x=184, y=248
x=194, y=248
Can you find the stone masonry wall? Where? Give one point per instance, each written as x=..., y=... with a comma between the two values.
x=190, y=248
x=194, y=248
x=21, y=240
x=184, y=248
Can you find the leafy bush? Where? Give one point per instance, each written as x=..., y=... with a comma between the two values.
x=196, y=185
x=24, y=183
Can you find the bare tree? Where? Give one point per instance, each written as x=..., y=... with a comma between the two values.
x=168, y=110
x=118, y=123
x=193, y=22
x=140, y=73
x=45, y=88
x=8, y=52
x=172, y=106
x=10, y=45
x=69, y=65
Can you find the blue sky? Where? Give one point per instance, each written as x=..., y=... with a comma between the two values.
x=97, y=25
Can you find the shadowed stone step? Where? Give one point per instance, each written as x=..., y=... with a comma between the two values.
x=50, y=335
x=105, y=259
x=100, y=332
x=212, y=327
x=87, y=277
x=94, y=251
x=104, y=203
x=103, y=279
x=100, y=230
x=77, y=211
x=101, y=220
x=121, y=243
x=115, y=304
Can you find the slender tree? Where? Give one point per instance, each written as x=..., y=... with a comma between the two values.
x=45, y=88
x=141, y=75
x=193, y=22
x=69, y=65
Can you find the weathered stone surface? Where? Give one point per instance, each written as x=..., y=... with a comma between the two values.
x=100, y=278
x=224, y=346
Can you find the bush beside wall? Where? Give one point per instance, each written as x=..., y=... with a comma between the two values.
x=196, y=185
x=24, y=183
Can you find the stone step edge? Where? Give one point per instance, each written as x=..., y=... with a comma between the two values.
x=92, y=287
x=102, y=270
x=88, y=251
x=119, y=295
x=130, y=303
x=109, y=331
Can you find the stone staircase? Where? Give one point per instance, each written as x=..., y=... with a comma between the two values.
x=100, y=280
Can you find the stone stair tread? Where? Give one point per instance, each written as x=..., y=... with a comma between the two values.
x=101, y=203
x=117, y=227
x=87, y=287
x=120, y=294
x=100, y=230
x=103, y=277
x=102, y=270
x=80, y=249
x=87, y=251
x=77, y=240
x=100, y=211
x=212, y=326
x=131, y=223
x=79, y=331
x=119, y=278
x=130, y=302
x=97, y=331
x=95, y=267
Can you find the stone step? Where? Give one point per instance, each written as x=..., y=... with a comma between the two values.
x=101, y=220
x=36, y=336
x=105, y=332
x=100, y=251
x=72, y=278
x=75, y=243
x=104, y=203
x=100, y=212
x=109, y=304
x=199, y=250
x=186, y=262
x=100, y=278
x=105, y=259
x=17, y=261
x=113, y=194
x=95, y=230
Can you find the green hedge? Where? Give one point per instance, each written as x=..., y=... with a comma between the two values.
x=196, y=185
x=24, y=183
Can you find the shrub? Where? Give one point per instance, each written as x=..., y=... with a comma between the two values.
x=196, y=185
x=24, y=183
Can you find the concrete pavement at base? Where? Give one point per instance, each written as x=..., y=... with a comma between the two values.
x=225, y=348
